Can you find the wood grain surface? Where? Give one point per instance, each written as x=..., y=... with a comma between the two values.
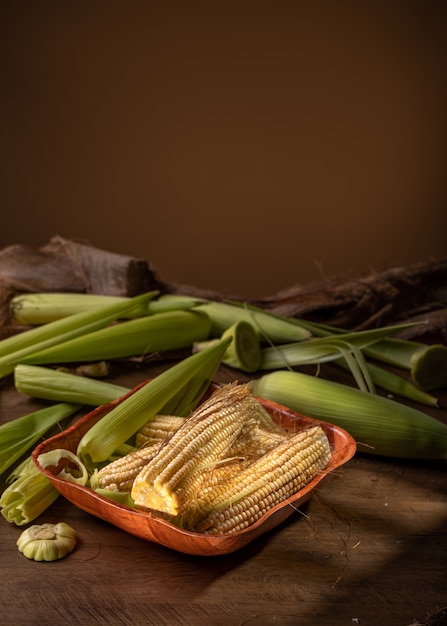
x=368, y=549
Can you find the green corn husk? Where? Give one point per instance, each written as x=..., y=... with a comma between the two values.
x=244, y=351
x=350, y=346
x=42, y=308
x=50, y=384
x=173, y=302
x=427, y=363
x=67, y=465
x=379, y=425
x=396, y=385
x=19, y=435
x=321, y=349
x=14, y=349
x=138, y=337
x=122, y=497
x=28, y=494
x=123, y=421
x=34, y=309
x=269, y=327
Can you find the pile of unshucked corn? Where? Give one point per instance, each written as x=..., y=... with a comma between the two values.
x=209, y=465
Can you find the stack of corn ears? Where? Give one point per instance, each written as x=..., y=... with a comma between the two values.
x=219, y=470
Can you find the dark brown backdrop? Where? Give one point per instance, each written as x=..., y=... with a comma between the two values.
x=241, y=146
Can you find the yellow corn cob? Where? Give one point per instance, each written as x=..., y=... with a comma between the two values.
x=220, y=473
x=204, y=439
x=252, y=443
x=233, y=505
x=120, y=474
x=159, y=428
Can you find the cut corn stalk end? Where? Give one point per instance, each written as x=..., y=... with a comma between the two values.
x=429, y=367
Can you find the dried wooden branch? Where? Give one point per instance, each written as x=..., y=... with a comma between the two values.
x=400, y=294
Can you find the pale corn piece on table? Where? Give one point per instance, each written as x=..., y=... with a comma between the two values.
x=222, y=468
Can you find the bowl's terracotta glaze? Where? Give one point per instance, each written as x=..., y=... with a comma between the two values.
x=152, y=528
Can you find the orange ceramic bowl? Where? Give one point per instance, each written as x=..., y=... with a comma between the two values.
x=152, y=528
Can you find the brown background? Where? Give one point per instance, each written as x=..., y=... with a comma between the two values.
x=240, y=146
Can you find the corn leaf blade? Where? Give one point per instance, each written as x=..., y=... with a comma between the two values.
x=19, y=435
x=14, y=349
x=159, y=332
x=117, y=426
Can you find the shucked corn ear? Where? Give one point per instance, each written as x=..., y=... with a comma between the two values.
x=120, y=474
x=204, y=438
x=240, y=500
x=138, y=337
x=379, y=425
x=158, y=429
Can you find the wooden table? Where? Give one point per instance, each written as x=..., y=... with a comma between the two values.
x=369, y=549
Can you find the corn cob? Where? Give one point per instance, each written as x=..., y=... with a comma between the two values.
x=253, y=442
x=159, y=428
x=120, y=474
x=235, y=504
x=205, y=438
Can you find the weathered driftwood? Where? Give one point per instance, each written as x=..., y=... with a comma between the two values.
x=417, y=293
x=65, y=265
x=400, y=294
x=70, y=266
